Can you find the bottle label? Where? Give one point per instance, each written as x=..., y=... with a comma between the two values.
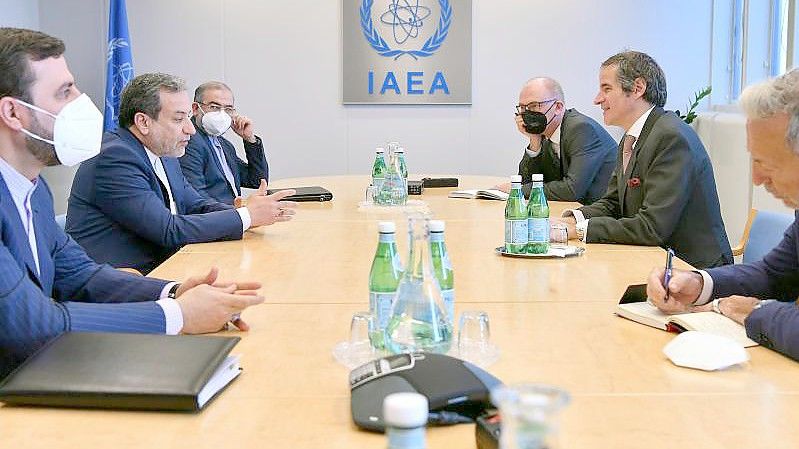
x=386, y=238
x=380, y=307
x=436, y=237
x=406, y=438
x=378, y=183
x=449, y=303
x=516, y=232
x=539, y=230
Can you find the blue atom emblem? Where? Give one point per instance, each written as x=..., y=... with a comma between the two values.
x=405, y=19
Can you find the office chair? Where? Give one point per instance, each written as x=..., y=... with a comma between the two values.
x=764, y=230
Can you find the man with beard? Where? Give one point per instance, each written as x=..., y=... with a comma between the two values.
x=48, y=285
x=132, y=207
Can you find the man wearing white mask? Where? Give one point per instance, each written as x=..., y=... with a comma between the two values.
x=210, y=163
x=48, y=285
x=131, y=206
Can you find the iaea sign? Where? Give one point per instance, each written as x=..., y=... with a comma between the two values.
x=407, y=51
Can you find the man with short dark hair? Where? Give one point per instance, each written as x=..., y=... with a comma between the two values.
x=48, y=285
x=573, y=152
x=747, y=292
x=210, y=163
x=662, y=192
x=131, y=206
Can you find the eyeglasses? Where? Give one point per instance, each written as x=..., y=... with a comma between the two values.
x=533, y=106
x=216, y=107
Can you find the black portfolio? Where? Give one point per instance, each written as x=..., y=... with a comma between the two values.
x=129, y=371
x=310, y=193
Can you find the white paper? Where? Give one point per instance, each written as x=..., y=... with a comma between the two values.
x=705, y=351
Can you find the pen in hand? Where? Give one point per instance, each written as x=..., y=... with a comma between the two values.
x=667, y=275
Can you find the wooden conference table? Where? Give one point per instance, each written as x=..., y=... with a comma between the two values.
x=552, y=320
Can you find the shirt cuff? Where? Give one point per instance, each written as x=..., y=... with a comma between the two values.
x=576, y=213
x=165, y=291
x=582, y=227
x=246, y=220
x=173, y=315
x=531, y=153
x=707, y=288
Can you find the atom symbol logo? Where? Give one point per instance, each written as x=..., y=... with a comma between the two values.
x=409, y=19
x=406, y=19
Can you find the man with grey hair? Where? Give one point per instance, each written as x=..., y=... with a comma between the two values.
x=575, y=154
x=130, y=205
x=662, y=192
x=210, y=163
x=747, y=292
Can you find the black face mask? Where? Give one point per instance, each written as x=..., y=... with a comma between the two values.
x=536, y=122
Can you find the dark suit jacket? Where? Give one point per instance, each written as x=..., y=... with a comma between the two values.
x=204, y=172
x=666, y=198
x=117, y=210
x=71, y=292
x=775, y=326
x=586, y=162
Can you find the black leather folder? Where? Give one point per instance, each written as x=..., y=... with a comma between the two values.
x=310, y=193
x=128, y=371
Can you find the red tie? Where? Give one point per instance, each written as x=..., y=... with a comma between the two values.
x=627, y=151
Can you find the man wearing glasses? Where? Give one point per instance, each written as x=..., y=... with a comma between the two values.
x=573, y=152
x=131, y=206
x=210, y=163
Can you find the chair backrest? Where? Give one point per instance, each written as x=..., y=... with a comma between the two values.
x=766, y=232
x=61, y=220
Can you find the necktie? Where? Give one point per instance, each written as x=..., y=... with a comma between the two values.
x=627, y=151
x=220, y=154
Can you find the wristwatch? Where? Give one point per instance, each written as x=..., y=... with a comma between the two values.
x=715, y=305
x=581, y=227
x=173, y=291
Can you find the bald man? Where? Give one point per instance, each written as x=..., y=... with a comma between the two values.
x=573, y=152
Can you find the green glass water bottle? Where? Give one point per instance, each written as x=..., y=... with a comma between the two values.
x=538, y=218
x=442, y=267
x=403, y=165
x=384, y=277
x=378, y=169
x=515, y=218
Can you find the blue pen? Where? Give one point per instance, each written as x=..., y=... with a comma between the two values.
x=667, y=276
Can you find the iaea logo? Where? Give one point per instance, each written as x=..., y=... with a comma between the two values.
x=406, y=20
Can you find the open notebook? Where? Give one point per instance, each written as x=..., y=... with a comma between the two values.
x=710, y=322
x=483, y=194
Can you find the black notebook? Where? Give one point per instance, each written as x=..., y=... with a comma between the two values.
x=128, y=371
x=311, y=193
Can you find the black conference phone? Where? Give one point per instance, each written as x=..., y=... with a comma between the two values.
x=457, y=391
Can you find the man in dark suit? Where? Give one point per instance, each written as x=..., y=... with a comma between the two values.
x=210, y=164
x=130, y=206
x=662, y=192
x=575, y=154
x=48, y=285
x=746, y=292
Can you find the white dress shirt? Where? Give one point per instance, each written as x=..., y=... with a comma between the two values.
x=554, y=139
x=21, y=189
x=635, y=131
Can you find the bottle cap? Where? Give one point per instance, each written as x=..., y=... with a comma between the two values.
x=538, y=176
x=515, y=178
x=400, y=150
x=436, y=226
x=386, y=227
x=405, y=410
x=380, y=150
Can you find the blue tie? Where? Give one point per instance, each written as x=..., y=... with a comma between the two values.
x=220, y=155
